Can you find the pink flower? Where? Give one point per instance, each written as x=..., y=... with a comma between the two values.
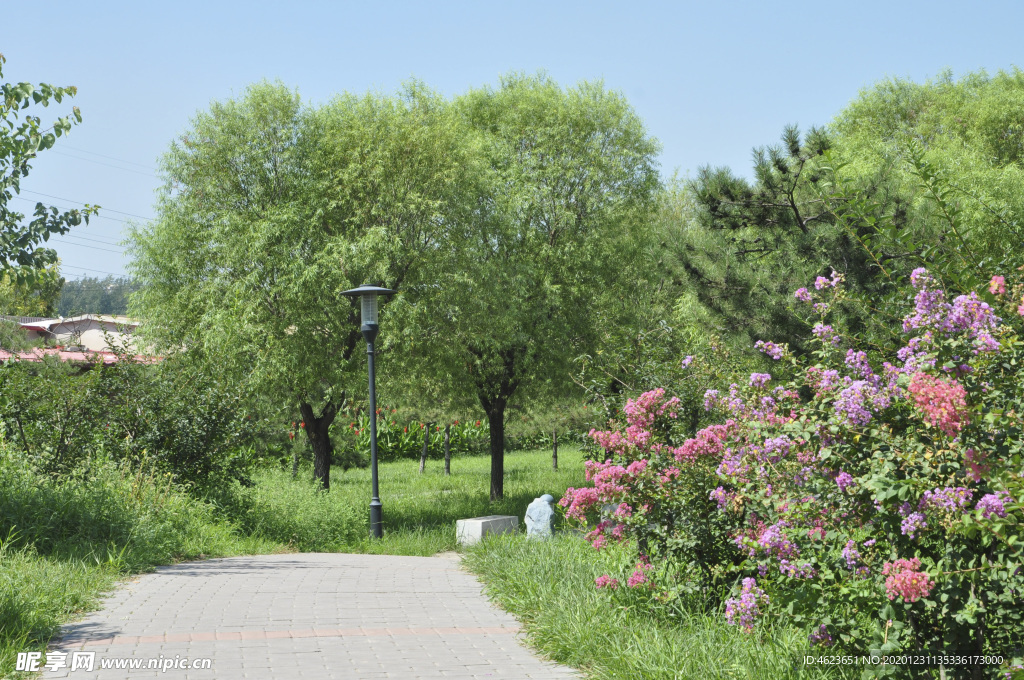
x=997, y=286
x=905, y=580
x=606, y=581
x=942, y=401
x=639, y=576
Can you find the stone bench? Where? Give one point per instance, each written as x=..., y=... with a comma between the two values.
x=470, y=531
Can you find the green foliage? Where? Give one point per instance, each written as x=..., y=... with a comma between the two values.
x=94, y=295
x=743, y=247
x=270, y=211
x=297, y=513
x=35, y=297
x=13, y=337
x=167, y=416
x=20, y=254
x=967, y=134
x=568, y=180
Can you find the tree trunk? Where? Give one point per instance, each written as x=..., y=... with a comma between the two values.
x=426, y=443
x=496, y=425
x=447, y=450
x=554, y=450
x=318, y=432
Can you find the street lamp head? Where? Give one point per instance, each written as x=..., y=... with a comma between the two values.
x=367, y=295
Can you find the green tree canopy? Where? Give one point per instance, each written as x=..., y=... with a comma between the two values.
x=555, y=234
x=270, y=211
x=21, y=258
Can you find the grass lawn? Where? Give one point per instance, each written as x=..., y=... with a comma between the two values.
x=549, y=586
x=420, y=510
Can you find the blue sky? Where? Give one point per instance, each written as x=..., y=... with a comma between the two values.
x=711, y=80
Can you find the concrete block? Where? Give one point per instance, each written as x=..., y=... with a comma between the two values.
x=470, y=531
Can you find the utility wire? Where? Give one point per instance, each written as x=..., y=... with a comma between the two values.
x=119, y=212
x=100, y=271
x=102, y=217
x=110, y=158
x=92, y=240
x=106, y=250
x=108, y=165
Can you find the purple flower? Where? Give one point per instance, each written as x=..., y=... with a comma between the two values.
x=821, y=282
x=687, y=360
x=744, y=610
x=851, y=555
x=826, y=334
x=710, y=399
x=791, y=570
x=759, y=379
x=844, y=480
x=722, y=497
x=774, y=543
x=969, y=313
x=777, y=447
x=803, y=295
x=858, y=363
x=992, y=504
x=773, y=350
x=912, y=523
x=853, y=401
x=949, y=499
x=820, y=637
x=920, y=278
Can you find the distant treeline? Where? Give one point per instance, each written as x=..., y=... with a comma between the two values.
x=90, y=295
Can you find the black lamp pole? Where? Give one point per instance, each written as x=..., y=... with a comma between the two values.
x=368, y=297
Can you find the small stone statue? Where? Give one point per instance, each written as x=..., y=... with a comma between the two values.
x=540, y=517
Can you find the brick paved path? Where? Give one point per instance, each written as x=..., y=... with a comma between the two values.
x=309, y=616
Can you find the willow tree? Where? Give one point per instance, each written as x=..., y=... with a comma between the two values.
x=555, y=232
x=269, y=211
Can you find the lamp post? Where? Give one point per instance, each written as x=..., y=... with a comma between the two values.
x=367, y=295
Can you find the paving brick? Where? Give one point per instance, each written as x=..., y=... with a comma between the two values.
x=309, y=616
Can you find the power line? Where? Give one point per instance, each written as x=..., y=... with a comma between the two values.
x=106, y=250
x=99, y=271
x=108, y=165
x=112, y=158
x=102, y=217
x=69, y=200
x=93, y=240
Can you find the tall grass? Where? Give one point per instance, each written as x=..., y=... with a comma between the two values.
x=549, y=585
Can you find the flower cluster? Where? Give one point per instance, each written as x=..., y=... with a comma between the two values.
x=771, y=349
x=744, y=610
x=905, y=580
x=942, y=402
x=992, y=504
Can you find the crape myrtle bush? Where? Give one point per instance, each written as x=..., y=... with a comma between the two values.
x=167, y=416
x=875, y=502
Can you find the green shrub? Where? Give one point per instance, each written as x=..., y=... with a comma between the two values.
x=296, y=512
x=165, y=416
